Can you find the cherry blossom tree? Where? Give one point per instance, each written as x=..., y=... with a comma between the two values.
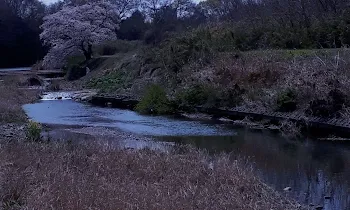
x=75, y=29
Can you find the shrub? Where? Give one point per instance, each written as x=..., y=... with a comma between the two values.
x=155, y=101
x=149, y=37
x=133, y=27
x=33, y=132
x=75, y=72
x=232, y=96
x=73, y=61
x=180, y=50
x=196, y=96
x=286, y=101
x=328, y=108
x=107, y=83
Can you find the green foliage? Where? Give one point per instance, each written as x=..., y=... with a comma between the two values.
x=110, y=82
x=231, y=97
x=155, y=101
x=165, y=21
x=197, y=95
x=286, y=101
x=75, y=72
x=201, y=95
x=201, y=44
x=180, y=50
x=133, y=27
x=73, y=61
x=33, y=132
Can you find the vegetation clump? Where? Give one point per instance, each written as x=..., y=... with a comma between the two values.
x=155, y=101
x=208, y=96
x=33, y=132
x=108, y=83
x=286, y=101
x=12, y=99
x=75, y=72
x=194, y=96
x=330, y=107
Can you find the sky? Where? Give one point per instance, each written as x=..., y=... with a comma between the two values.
x=48, y=1
x=53, y=1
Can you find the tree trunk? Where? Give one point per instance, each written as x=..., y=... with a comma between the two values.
x=87, y=52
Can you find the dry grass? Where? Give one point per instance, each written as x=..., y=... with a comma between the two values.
x=12, y=98
x=90, y=176
x=265, y=74
x=98, y=176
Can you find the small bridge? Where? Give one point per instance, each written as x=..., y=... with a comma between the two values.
x=43, y=73
x=37, y=77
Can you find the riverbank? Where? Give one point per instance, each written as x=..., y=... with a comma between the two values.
x=35, y=175
x=12, y=98
x=305, y=87
x=101, y=177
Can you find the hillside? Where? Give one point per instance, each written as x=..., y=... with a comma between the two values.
x=309, y=82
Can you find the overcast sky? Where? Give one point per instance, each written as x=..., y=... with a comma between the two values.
x=52, y=1
x=48, y=1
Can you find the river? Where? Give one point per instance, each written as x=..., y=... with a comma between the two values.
x=317, y=172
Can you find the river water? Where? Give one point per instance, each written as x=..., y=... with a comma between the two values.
x=317, y=172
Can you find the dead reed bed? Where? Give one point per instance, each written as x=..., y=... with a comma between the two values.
x=267, y=74
x=96, y=176
x=12, y=98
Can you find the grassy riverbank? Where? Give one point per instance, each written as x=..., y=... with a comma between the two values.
x=95, y=175
x=12, y=99
x=92, y=176
x=194, y=70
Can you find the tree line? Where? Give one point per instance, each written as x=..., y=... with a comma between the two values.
x=250, y=24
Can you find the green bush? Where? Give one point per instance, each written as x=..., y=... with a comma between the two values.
x=231, y=97
x=286, y=101
x=110, y=82
x=155, y=101
x=179, y=50
x=75, y=72
x=207, y=96
x=33, y=132
x=73, y=61
x=198, y=95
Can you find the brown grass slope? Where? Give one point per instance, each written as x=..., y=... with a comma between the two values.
x=12, y=98
x=90, y=176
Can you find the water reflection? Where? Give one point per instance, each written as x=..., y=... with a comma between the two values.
x=312, y=169
x=67, y=112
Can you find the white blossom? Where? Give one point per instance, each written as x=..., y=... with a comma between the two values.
x=76, y=29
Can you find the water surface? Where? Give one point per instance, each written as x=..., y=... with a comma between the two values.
x=68, y=112
x=314, y=170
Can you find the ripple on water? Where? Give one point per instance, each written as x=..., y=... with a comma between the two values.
x=313, y=170
x=68, y=112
